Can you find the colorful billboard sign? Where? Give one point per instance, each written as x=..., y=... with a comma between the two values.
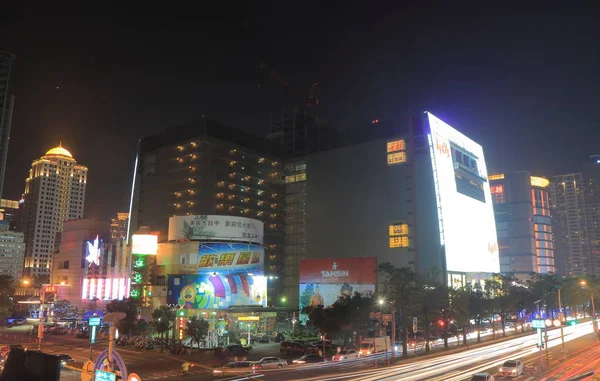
x=230, y=258
x=216, y=227
x=144, y=244
x=105, y=288
x=338, y=270
x=465, y=211
x=314, y=294
x=208, y=291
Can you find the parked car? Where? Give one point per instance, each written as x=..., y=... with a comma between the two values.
x=270, y=362
x=346, y=354
x=279, y=338
x=512, y=368
x=237, y=350
x=235, y=368
x=65, y=359
x=263, y=338
x=482, y=377
x=308, y=359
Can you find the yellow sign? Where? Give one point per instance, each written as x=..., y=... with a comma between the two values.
x=396, y=145
x=398, y=229
x=496, y=177
x=248, y=318
x=396, y=158
x=188, y=293
x=539, y=182
x=396, y=242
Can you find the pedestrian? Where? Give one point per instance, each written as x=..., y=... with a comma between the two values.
x=185, y=367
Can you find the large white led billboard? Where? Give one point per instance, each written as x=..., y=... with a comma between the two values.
x=464, y=202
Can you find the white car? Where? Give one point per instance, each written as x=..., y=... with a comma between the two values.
x=346, y=354
x=269, y=362
x=512, y=368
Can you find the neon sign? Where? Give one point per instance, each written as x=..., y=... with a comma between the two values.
x=94, y=252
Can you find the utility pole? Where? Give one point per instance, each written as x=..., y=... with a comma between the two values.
x=41, y=325
x=393, y=331
x=561, y=317
x=112, y=318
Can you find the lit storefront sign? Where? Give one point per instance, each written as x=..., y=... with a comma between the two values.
x=496, y=177
x=396, y=152
x=230, y=257
x=144, y=244
x=105, y=288
x=539, y=182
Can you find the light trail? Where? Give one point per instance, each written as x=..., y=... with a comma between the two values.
x=463, y=363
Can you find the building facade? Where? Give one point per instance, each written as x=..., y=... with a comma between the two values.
x=54, y=193
x=205, y=168
x=90, y=268
x=118, y=227
x=12, y=251
x=571, y=235
x=9, y=212
x=523, y=223
x=6, y=110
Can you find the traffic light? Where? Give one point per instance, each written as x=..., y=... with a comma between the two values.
x=441, y=323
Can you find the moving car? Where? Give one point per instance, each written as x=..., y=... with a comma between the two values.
x=64, y=359
x=235, y=368
x=308, y=359
x=482, y=377
x=269, y=362
x=346, y=354
x=512, y=368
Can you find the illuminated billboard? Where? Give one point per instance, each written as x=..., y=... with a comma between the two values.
x=105, y=288
x=314, y=294
x=144, y=244
x=464, y=203
x=229, y=258
x=217, y=291
x=216, y=227
x=338, y=270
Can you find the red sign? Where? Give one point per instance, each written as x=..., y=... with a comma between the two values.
x=494, y=189
x=50, y=289
x=338, y=270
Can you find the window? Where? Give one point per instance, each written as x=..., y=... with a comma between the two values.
x=66, y=265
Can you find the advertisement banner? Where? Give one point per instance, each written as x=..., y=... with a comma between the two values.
x=314, y=294
x=338, y=270
x=230, y=258
x=200, y=291
x=216, y=227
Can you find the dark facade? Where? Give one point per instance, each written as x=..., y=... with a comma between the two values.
x=6, y=110
x=523, y=223
x=208, y=168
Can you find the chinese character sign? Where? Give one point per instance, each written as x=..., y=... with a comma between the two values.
x=230, y=257
x=202, y=227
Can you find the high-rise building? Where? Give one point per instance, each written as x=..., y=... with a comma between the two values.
x=8, y=211
x=570, y=222
x=6, y=110
x=118, y=227
x=205, y=168
x=12, y=250
x=591, y=176
x=421, y=201
x=54, y=193
x=523, y=223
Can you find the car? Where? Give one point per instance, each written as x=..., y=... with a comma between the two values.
x=290, y=347
x=482, y=377
x=263, y=339
x=64, y=359
x=308, y=359
x=269, y=362
x=346, y=354
x=235, y=368
x=511, y=368
x=237, y=350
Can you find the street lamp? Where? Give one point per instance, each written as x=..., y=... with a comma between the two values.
x=583, y=283
x=381, y=302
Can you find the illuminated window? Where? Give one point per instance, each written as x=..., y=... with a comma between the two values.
x=396, y=158
x=398, y=233
x=290, y=179
x=301, y=176
x=398, y=229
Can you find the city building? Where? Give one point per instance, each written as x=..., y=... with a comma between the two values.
x=90, y=268
x=205, y=168
x=571, y=235
x=54, y=193
x=118, y=227
x=413, y=200
x=6, y=110
x=8, y=211
x=12, y=250
x=523, y=223
x=591, y=176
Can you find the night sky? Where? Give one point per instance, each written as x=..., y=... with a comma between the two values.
x=524, y=83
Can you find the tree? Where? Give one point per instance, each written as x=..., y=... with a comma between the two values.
x=197, y=329
x=129, y=307
x=64, y=310
x=162, y=318
x=141, y=326
x=6, y=307
x=7, y=284
x=460, y=308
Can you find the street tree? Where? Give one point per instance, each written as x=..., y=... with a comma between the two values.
x=64, y=310
x=460, y=309
x=162, y=318
x=197, y=329
x=130, y=308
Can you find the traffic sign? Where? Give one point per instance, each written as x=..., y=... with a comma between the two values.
x=105, y=376
x=94, y=321
x=538, y=323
